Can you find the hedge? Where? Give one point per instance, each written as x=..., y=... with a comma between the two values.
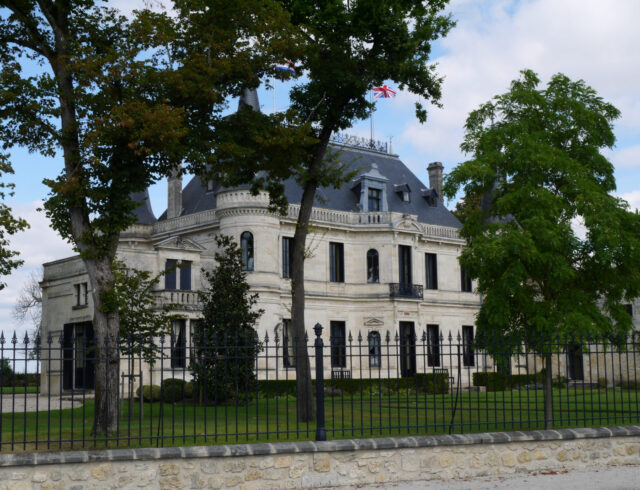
x=432, y=383
x=502, y=381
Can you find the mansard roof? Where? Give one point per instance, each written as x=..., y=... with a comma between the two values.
x=196, y=197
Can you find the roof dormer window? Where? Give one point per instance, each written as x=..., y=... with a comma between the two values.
x=431, y=196
x=372, y=189
x=403, y=191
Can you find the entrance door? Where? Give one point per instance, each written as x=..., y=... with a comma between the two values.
x=78, y=354
x=575, y=365
x=407, y=349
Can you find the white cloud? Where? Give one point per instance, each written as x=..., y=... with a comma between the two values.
x=37, y=245
x=633, y=198
x=494, y=40
x=626, y=157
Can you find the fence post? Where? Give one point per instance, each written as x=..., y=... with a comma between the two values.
x=321, y=433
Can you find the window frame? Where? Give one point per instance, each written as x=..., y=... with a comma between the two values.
x=338, y=343
x=179, y=344
x=336, y=262
x=374, y=195
x=466, y=283
x=185, y=275
x=433, y=345
x=375, y=356
x=247, y=246
x=468, y=352
x=431, y=271
x=171, y=274
x=373, y=255
x=287, y=256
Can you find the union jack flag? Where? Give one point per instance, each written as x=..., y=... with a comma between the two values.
x=288, y=66
x=383, y=92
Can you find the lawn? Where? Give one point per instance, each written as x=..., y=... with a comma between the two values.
x=8, y=390
x=274, y=419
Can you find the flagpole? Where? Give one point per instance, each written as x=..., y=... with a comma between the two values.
x=371, y=100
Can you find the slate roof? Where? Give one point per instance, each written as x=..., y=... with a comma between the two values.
x=143, y=212
x=196, y=198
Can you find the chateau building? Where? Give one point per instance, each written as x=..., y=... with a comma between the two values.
x=382, y=260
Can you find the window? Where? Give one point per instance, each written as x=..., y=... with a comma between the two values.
x=467, y=346
x=336, y=262
x=375, y=351
x=170, y=274
x=431, y=271
x=82, y=294
x=185, y=275
x=179, y=344
x=433, y=345
x=287, y=256
x=246, y=244
x=465, y=280
x=288, y=344
x=404, y=257
x=629, y=309
x=338, y=345
x=375, y=196
x=373, y=270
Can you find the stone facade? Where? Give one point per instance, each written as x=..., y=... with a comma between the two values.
x=324, y=464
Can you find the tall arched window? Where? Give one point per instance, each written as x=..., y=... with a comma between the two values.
x=373, y=270
x=375, y=351
x=246, y=244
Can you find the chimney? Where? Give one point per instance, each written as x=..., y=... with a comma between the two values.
x=174, y=201
x=435, y=178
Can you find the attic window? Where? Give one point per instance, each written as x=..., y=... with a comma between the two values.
x=403, y=191
x=431, y=196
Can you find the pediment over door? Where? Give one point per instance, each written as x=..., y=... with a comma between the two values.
x=179, y=243
x=373, y=322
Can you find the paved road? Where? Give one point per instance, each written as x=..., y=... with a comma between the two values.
x=609, y=478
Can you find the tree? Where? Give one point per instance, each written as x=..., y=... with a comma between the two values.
x=141, y=321
x=345, y=49
x=226, y=344
x=125, y=102
x=9, y=225
x=536, y=154
x=29, y=302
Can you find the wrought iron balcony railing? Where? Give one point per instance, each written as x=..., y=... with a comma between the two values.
x=399, y=290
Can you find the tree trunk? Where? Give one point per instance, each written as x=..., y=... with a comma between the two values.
x=548, y=392
x=106, y=327
x=304, y=401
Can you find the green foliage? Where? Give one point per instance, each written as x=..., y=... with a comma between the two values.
x=431, y=383
x=6, y=372
x=141, y=321
x=150, y=393
x=176, y=390
x=226, y=344
x=536, y=158
x=629, y=384
x=9, y=225
x=603, y=382
x=497, y=381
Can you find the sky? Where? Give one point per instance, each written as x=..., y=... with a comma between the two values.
x=494, y=39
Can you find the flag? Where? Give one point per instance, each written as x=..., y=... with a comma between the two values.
x=383, y=92
x=287, y=66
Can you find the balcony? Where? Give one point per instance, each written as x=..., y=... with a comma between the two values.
x=410, y=291
x=178, y=300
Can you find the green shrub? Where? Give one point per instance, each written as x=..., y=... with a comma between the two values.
x=176, y=390
x=629, y=384
x=603, y=382
x=497, y=381
x=149, y=393
x=560, y=382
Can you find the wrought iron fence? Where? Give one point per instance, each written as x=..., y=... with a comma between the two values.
x=365, y=385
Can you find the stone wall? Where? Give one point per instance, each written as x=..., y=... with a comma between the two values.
x=323, y=464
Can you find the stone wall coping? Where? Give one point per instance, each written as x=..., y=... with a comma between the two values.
x=262, y=449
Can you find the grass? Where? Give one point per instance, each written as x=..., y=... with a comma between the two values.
x=274, y=419
x=8, y=390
